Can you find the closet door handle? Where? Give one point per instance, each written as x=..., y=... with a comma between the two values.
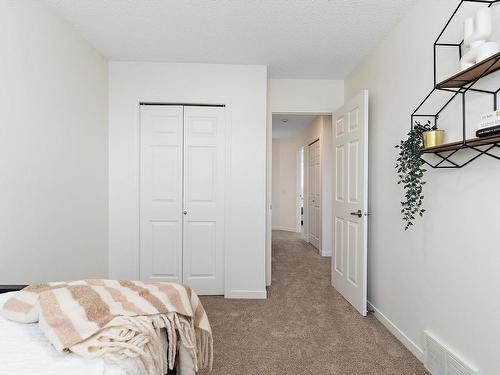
x=185, y=212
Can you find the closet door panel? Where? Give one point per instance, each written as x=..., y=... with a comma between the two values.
x=204, y=176
x=161, y=193
x=315, y=194
x=201, y=254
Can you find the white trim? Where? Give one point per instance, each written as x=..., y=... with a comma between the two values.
x=397, y=332
x=287, y=229
x=326, y=254
x=227, y=197
x=247, y=294
x=269, y=189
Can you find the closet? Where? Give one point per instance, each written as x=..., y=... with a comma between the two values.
x=315, y=194
x=182, y=180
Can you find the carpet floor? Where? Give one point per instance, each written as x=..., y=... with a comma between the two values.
x=304, y=327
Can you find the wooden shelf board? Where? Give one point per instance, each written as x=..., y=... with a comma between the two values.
x=452, y=146
x=469, y=75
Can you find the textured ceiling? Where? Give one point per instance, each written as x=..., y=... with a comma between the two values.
x=295, y=38
x=293, y=125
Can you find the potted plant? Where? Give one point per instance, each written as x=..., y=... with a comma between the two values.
x=410, y=169
x=431, y=135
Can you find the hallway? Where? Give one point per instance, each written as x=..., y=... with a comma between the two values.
x=304, y=327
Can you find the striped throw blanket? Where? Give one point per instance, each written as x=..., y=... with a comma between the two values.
x=119, y=320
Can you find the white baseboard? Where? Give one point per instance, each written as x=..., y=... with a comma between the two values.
x=247, y=294
x=398, y=333
x=326, y=254
x=286, y=229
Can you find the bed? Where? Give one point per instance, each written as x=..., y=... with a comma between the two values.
x=24, y=350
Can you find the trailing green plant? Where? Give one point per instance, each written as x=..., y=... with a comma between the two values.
x=410, y=169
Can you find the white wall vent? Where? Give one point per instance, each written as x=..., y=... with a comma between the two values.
x=440, y=360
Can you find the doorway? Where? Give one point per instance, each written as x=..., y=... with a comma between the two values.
x=301, y=175
x=345, y=195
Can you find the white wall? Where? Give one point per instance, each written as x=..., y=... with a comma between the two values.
x=53, y=149
x=296, y=96
x=243, y=89
x=443, y=274
x=285, y=179
x=305, y=95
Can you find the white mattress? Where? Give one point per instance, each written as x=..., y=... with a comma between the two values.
x=24, y=350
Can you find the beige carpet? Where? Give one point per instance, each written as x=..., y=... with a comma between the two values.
x=304, y=327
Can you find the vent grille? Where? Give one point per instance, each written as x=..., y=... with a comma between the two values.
x=440, y=360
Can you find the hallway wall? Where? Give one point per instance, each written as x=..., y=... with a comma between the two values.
x=285, y=180
x=441, y=275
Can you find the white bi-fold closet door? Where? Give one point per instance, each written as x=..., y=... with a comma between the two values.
x=182, y=196
x=315, y=194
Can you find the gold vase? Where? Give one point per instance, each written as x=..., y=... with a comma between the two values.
x=433, y=138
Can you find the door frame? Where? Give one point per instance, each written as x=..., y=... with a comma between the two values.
x=268, y=258
x=306, y=192
x=301, y=169
x=203, y=102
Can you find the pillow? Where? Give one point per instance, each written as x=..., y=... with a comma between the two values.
x=23, y=306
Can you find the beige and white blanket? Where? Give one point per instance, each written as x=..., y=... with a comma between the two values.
x=119, y=320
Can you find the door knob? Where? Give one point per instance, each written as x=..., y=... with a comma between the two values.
x=185, y=212
x=358, y=213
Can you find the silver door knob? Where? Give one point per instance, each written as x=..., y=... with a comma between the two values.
x=185, y=212
x=358, y=213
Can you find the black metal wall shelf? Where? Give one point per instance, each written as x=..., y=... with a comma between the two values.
x=457, y=87
x=445, y=152
x=481, y=69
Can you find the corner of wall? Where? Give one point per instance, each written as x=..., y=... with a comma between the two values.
x=397, y=332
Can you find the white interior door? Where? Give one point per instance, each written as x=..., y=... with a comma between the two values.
x=161, y=193
x=315, y=195
x=204, y=175
x=350, y=203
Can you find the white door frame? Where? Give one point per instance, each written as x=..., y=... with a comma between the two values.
x=299, y=181
x=306, y=192
x=269, y=185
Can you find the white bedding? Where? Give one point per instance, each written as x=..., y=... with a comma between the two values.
x=24, y=350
